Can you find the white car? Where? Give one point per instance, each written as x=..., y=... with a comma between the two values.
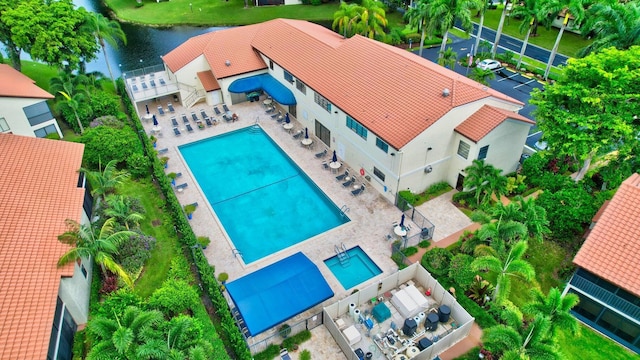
x=489, y=64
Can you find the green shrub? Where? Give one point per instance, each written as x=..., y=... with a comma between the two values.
x=180, y=270
x=117, y=302
x=460, y=270
x=413, y=38
x=408, y=196
x=296, y=339
x=482, y=316
x=134, y=252
x=305, y=355
x=272, y=351
x=411, y=250
x=103, y=144
x=222, y=277
x=436, y=261
x=103, y=104
x=424, y=244
x=138, y=165
x=174, y=297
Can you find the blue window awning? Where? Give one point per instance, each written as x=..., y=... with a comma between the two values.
x=265, y=82
x=277, y=292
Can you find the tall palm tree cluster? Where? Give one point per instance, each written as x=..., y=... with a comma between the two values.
x=499, y=247
x=367, y=19
x=101, y=243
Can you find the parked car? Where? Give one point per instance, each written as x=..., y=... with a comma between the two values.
x=489, y=64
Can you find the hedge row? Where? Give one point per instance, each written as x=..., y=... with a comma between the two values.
x=187, y=237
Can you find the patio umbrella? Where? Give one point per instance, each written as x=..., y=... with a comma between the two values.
x=402, y=221
x=147, y=106
x=286, y=118
x=306, y=133
x=155, y=121
x=335, y=157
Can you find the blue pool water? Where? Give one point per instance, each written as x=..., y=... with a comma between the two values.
x=262, y=198
x=357, y=270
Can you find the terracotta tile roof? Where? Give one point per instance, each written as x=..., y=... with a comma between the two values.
x=233, y=45
x=487, y=118
x=208, y=81
x=15, y=84
x=612, y=249
x=187, y=51
x=394, y=93
x=39, y=192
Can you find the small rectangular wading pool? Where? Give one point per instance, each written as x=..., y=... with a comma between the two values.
x=356, y=268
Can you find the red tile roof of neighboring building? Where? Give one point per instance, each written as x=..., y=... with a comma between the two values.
x=208, y=81
x=612, y=249
x=15, y=84
x=392, y=92
x=487, y=118
x=187, y=51
x=38, y=193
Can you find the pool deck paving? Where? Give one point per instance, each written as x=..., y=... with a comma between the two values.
x=370, y=213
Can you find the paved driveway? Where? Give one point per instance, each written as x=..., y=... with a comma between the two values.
x=446, y=218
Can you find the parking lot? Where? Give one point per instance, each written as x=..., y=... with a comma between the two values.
x=508, y=82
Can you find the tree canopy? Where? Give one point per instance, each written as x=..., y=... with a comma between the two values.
x=593, y=108
x=49, y=31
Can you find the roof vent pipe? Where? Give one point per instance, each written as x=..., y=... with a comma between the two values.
x=446, y=92
x=228, y=63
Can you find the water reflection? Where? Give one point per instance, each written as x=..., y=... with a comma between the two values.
x=144, y=46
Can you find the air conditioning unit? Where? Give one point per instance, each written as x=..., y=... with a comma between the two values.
x=428, y=169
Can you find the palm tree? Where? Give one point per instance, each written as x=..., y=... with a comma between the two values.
x=73, y=90
x=494, y=49
x=448, y=58
x=443, y=14
x=105, y=181
x=73, y=102
x=120, y=208
x=504, y=264
x=483, y=76
x=417, y=17
x=614, y=24
x=556, y=308
x=481, y=11
x=105, y=30
x=520, y=342
x=99, y=246
x=372, y=20
x=129, y=336
x=530, y=11
x=553, y=8
x=484, y=179
x=534, y=217
x=343, y=19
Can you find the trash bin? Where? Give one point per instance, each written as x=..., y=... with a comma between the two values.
x=369, y=356
x=359, y=353
x=424, y=234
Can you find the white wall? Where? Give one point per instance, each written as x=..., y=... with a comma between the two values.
x=12, y=109
x=187, y=75
x=75, y=291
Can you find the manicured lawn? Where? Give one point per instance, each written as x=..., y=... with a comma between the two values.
x=546, y=257
x=41, y=73
x=591, y=345
x=214, y=13
x=569, y=45
x=157, y=225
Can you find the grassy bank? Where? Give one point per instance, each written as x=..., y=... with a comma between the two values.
x=214, y=13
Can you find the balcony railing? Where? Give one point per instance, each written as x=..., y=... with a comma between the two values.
x=606, y=296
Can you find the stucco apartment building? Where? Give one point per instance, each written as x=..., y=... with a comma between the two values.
x=608, y=276
x=403, y=121
x=23, y=106
x=41, y=305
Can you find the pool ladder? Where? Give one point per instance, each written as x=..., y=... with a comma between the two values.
x=343, y=257
x=237, y=252
x=343, y=211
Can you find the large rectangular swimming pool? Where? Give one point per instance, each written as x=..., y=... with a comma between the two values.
x=265, y=202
